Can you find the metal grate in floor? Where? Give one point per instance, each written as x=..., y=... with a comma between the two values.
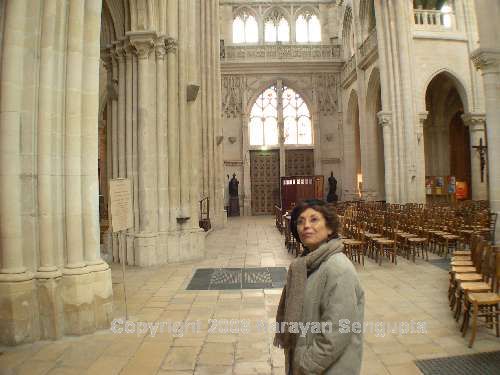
x=441, y=263
x=471, y=364
x=238, y=278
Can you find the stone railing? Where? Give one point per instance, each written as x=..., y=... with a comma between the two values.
x=434, y=20
x=369, y=45
x=280, y=52
x=349, y=69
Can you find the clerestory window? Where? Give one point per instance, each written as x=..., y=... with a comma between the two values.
x=307, y=28
x=245, y=29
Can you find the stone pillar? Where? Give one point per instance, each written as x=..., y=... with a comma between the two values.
x=129, y=138
x=161, y=128
x=147, y=167
x=420, y=157
x=385, y=121
x=476, y=124
x=46, y=112
x=172, y=132
x=488, y=60
x=73, y=140
x=17, y=299
x=183, y=158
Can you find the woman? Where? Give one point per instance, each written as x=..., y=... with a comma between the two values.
x=322, y=287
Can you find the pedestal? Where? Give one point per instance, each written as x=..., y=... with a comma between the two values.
x=234, y=206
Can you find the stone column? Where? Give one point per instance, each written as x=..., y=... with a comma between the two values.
x=183, y=158
x=73, y=140
x=129, y=137
x=488, y=60
x=172, y=132
x=420, y=157
x=161, y=128
x=476, y=124
x=46, y=113
x=385, y=121
x=147, y=167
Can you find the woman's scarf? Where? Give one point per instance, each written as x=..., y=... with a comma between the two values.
x=292, y=297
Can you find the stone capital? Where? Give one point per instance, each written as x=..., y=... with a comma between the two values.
x=143, y=42
x=486, y=59
x=384, y=119
x=106, y=57
x=119, y=51
x=475, y=121
x=171, y=45
x=160, y=48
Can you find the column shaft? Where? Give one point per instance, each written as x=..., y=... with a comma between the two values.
x=73, y=136
x=90, y=102
x=161, y=128
x=45, y=131
x=10, y=138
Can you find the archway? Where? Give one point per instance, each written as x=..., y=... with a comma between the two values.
x=446, y=140
x=375, y=168
x=352, y=151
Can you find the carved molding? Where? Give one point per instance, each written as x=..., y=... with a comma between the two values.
x=384, y=119
x=171, y=45
x=233, y=87
x=486, y=58
x=331, y=160
x=475, y=121
x=326, y=87
x=143, y=42
x=233, y=163
x=272, y=52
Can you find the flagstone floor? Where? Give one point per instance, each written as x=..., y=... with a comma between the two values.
x=194, y=338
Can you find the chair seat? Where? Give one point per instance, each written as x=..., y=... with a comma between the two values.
x=462, y=252
x=463, y=269
x=450, y=237
x=372, y=235
x=484, y=298
x=349, y=241
x=384, y=241
x=417, y=239
x=477, y=286
x=462, y=263
x=468, y=277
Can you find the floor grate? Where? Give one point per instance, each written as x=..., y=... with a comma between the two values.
x=238, y=278
x=471, y=364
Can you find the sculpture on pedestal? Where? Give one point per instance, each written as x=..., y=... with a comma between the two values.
x=332, y=195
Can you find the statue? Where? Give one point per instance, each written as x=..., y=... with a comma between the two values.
x=233, y=186
x=234, y=200
x=332, y=195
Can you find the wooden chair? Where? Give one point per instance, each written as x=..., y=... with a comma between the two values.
x=386, y=246
x=355, y=247
x=483, y=305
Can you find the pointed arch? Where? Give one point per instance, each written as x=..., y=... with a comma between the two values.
x=462, y=89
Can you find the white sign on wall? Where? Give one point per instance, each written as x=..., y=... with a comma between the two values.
x=120, y=200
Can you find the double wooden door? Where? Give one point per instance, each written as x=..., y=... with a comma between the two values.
x=265, y=178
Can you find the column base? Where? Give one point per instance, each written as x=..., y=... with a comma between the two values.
x=18, y=312
x=87, y=301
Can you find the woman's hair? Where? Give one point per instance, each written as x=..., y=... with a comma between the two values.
x=330, y=216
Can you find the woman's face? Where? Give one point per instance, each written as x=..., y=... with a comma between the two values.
x=312, y=229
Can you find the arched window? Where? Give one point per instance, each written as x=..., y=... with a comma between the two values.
x=296, y=119
x=245, y=29
x=263, y=126
x=276, y=28
x=264, y=119
x=307, y=28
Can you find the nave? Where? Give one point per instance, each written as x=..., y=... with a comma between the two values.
x=394, y=294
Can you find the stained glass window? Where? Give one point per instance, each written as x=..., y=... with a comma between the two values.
x=263, y=125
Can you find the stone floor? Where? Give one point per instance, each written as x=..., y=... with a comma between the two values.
x=404, y=293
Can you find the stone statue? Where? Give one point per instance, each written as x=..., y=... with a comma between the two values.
x=332, y=195
x=234, y=200
x=233, y=186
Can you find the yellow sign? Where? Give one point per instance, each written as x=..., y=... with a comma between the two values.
x=120, y=201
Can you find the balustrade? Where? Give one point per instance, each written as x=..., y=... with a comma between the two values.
x=280, y=52
x=426, y=19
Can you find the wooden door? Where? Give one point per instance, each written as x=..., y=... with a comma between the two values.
x=299, y=162
x=265, y=181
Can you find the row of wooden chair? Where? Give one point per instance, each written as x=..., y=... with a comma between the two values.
x=474, y=287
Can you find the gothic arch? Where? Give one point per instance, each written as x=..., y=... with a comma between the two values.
x=352, y=146
x=278, y=9
x=306, y=9
x=245, y=9
x=462, y=89
x=120, y=15
x=366, y=16
x=268, y=83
